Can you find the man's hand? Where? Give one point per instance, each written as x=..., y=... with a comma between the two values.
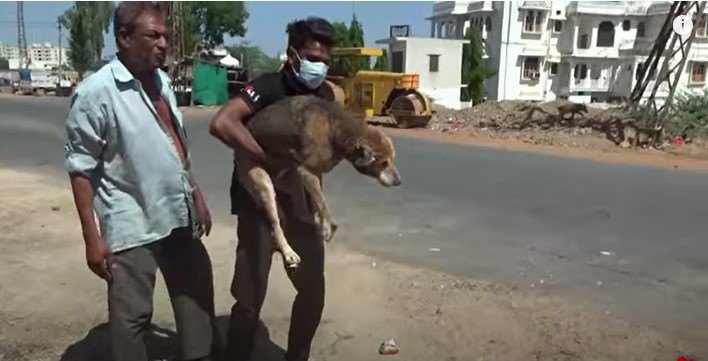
x=96, y=258
x=202, y=213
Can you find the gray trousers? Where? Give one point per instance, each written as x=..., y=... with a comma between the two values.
x=186, y=268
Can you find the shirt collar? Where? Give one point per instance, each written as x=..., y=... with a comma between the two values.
x=120, y=72
x=123, y=75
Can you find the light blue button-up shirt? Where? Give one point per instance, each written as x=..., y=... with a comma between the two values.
x=116, y=139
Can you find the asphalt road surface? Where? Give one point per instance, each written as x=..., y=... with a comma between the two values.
x=626, y=240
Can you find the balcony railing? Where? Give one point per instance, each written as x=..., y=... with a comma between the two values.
x=588, y=84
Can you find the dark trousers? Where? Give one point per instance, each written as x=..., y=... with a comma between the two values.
x=253, y=260
x=186, y=268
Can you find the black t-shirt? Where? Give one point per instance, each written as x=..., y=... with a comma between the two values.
x=258, y=94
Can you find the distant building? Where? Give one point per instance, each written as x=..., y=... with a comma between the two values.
x=43, y=56
x=585, y=51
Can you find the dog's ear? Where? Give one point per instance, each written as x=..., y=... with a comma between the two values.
x=363, y=154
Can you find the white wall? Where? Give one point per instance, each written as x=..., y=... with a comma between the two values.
x=444, y=85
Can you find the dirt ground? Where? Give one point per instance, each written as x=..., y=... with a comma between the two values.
x=53, y=308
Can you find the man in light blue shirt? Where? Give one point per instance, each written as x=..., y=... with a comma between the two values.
x=128, y=160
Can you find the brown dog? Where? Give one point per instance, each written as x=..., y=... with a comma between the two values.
x=307, y=137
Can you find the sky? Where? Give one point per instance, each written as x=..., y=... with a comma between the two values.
x=266, y=23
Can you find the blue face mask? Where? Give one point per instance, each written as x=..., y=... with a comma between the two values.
x=311, y=74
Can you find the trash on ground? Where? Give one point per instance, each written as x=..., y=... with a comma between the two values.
x=388, y=348
x=606, y=253
x=676, y=140
x=434, y=249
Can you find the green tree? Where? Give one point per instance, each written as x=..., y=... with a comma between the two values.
x=95, y=18
x=4, y=64
x=356, y=39
x=255, y=61
x=474, y=68
x=382, y=62
x=81, y=51
x=340, y=65
x=206, y=22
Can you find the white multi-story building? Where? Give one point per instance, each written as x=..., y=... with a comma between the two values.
x=584, y=51
x=43, y=56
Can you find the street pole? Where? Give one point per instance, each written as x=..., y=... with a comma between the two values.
x=59, y=49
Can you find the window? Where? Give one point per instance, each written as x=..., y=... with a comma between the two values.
x=557, y=26
x=583, y=42
x=641, y=29
x=488, y=24
x=530, y=71
x=581, y=71
x=626, y=25
x=558, y=12
x=397, y=62
x=532, y=22
x=595, y=72
x=434, y=62
x=606, y=35
x=698, y=73
x=701, y=30
x=554, y=68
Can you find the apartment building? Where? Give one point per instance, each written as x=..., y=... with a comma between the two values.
x=590, y=51
x=43, y=56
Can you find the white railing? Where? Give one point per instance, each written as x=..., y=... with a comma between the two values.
x=590, y=84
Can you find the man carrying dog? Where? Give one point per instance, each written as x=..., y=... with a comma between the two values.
x=309, y=43
x=127, y=155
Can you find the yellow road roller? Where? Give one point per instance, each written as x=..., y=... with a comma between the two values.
x=378, y=93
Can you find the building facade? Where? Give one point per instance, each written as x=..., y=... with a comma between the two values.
x=590, y=51
x=433, y=60
x=43, y=56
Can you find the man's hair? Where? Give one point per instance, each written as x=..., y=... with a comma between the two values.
x=128, y=11
x=311, y=29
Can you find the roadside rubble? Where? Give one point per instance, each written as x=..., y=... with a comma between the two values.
x=556, y=122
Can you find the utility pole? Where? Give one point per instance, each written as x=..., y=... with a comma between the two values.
x=59, y=49
x=21, y=38
x=672, y=58
x=176, y=68
x=175, y=15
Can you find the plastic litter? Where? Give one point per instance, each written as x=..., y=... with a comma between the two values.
x=388, y=348
x=676, y=140
x=433, y=249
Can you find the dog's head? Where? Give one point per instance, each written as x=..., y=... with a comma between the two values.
x=373, y=155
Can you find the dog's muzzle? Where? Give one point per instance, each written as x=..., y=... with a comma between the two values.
x=390, y=178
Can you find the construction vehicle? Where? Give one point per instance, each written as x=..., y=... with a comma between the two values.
x=379, y=93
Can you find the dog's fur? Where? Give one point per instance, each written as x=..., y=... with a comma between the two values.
x=309, y=136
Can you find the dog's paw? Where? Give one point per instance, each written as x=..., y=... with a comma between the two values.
x=327, y=229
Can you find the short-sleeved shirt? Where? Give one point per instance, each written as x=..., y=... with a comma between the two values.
x=142, y=190
x=258, y=94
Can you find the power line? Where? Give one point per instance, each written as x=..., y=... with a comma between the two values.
x=14, y=22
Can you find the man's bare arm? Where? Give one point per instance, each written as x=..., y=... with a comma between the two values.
x=228, y=127
x=96, y=250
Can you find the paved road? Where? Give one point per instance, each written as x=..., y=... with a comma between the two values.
x=508, y=216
